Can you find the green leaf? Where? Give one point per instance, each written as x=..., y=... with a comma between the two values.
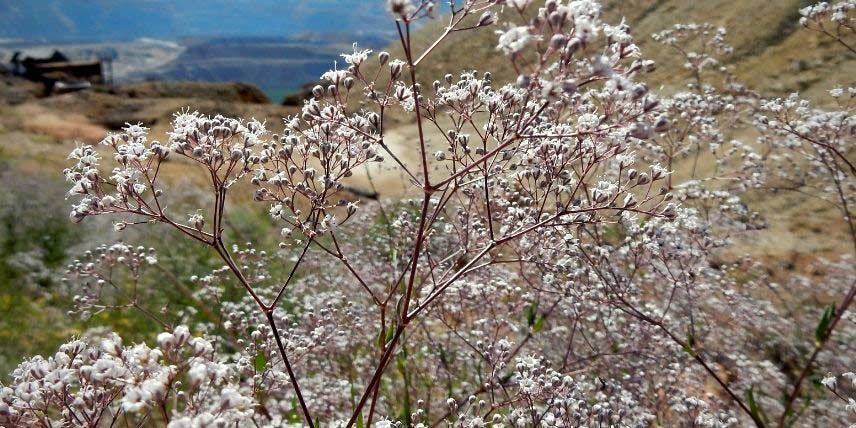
x=390, y=333
x=821, y=333
x=539, y=324
x=530, y=315
x=260, y=363
x=689, y=345
x=754, y=408
x=443, y=358
x=381, y=339
x=294, y=416
x=406, y=408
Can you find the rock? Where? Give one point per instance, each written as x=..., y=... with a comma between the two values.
x=298, y=97
x=218, y=91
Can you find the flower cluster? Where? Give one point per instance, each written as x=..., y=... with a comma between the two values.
x=833, y=20
x=87, y=383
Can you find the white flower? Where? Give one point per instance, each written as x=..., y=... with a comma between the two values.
x=851, y=376
x=829, y=382
x=384, y=423
x=133, y=401
x=514, y=39
x=519, y=4
x=402, y=8
x=166, y=340
x=357, y=57
x=335, y=76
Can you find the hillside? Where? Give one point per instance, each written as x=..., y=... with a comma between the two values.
x=89, y=115
x=772, y=53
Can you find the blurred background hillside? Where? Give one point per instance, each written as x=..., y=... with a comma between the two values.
x=251, y=59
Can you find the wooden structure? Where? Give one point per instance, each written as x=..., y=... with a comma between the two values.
x=58, y=68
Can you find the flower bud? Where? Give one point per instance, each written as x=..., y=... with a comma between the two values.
x=629, y=201
x=572, y=46
x=318, y=91
x=662, y=124
x=569, y=87
x=486, y=19
x=374, y=120
x=640, y=130
x=558, y=41
x=395, y=69
x=639, y=91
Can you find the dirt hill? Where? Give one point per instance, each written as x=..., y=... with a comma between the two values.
x=88, y=115
x=772, y=53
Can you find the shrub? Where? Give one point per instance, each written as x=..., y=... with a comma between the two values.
x=546, y=270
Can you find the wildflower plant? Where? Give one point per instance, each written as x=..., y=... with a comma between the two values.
x=547, y=267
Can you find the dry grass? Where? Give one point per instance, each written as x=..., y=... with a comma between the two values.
x=772, y=53
x=59, y=125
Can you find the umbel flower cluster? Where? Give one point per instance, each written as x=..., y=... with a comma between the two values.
x=557, y=261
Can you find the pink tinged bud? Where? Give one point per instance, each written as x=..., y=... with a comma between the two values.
x=651, y=105
x=181, y=333
x=573, y=45
x=486, y=19
x=558, y=41
x=395, y=69
x=670, y=211
x=318, y=91
x=400, y=7
x=640, y=130
x=569, y=87
x=166, y=340
x=639, y=91
x=662, y=124
x=76, y=216
x=631, y=174
x=649, y=65
x=374, y=120
x=629, y=201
